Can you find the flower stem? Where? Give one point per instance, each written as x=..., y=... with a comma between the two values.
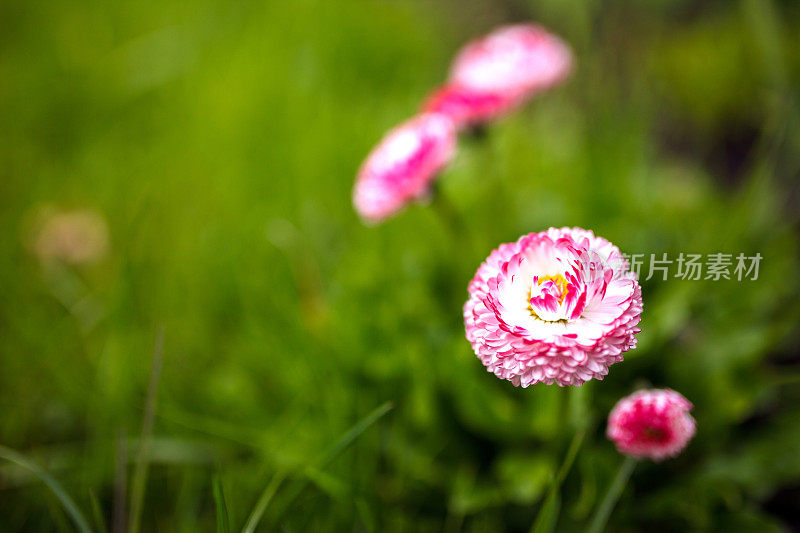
x=612, y=495
x=548, y=514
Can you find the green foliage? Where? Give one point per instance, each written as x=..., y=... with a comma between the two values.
x=220, y=141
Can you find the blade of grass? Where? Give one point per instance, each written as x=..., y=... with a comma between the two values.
x=321, y=462
x=142, y=458
x=263, y=501
x=330, y=485
x=69, y=505
x=547, y=518
x=548, y=515
x=352, y=434
x=223, y=523
x=365, y=515
x=58, y=519
x=97, y=513
x=119, y=519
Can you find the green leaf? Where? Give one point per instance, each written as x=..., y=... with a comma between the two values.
x=324, y=459
x=548, y=515
x=69, y=505
x=223, y=523
x=97, y=513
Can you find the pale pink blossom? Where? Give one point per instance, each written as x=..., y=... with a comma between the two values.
x=77, y=237
x=653, y=424
x=403, y=165
x=558, y=306
x=501, y=71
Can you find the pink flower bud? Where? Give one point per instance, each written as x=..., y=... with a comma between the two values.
x=654, y=424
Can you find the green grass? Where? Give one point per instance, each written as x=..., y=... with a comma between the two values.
x=220, y=141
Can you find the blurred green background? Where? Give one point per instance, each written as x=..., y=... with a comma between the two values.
x=220, y=140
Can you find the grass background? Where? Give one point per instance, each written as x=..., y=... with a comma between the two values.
x=220, y=141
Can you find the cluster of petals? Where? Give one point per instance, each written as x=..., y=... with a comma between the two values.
x=489, y=77
x=501, y=71
x=558, y=306
x=403, y=165
x=652, y=424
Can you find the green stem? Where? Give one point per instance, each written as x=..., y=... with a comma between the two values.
x=612, y=495
x=548, y=514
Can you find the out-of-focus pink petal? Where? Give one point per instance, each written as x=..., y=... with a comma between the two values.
x=403, y=165
x=512, y=63
x=467, y=106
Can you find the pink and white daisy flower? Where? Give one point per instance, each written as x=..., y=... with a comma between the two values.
x=403, y=165
x=501, y=71
x=466, y=106
x=558, y=306
x=653, y=424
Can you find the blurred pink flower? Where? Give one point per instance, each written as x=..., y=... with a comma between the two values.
x=655, y=424
x=403, y=165
x=78, y=237
x=558, y=306
x=466, y=106
x=501, y=71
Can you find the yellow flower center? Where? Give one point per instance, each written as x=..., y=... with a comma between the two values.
x=561, y=282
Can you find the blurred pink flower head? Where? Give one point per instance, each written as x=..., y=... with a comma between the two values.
x=502, y=70
x=465, y=106
x=653, y=424
x=77, y=237
x=403, y=165
x=558, y=306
